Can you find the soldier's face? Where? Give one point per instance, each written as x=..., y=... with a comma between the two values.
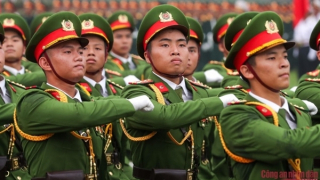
x=67, y=60
x=13, y=46
x=94, y=54
x=193, y=57
x=272, y=67
x=1, y=58
x=169, y=53
x=122, y=42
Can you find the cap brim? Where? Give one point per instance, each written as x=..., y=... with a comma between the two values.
x=82, y=41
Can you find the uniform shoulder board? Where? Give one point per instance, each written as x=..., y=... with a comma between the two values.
x=233, y=87
x=313, y=79
x=115, y=84
x=237, y=102
x=28, y=71
x=112, y=72
x=136, y=57
x=235, y=73
x=314, y=73
x=298, y=107
x=147, y=81
x=215, y=62
x=198, y=83
x=16, y=84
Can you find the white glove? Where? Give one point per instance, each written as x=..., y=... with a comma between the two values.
x=294, y=88
x=312, y=108
x=142, y=103
x=228, y=98
x=213, y=76
x=130, y=78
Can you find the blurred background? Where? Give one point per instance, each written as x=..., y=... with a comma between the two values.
x=299, y=17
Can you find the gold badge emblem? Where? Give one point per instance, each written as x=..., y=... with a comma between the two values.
x=229, y=20
x=165, y=17
x=123, y=18
x=44, y=19
x=87, y=24
x=67, y=25
x=8, y=22
x=271, y=27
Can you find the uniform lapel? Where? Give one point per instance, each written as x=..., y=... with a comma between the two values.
x=12, y=94
x=300, y=119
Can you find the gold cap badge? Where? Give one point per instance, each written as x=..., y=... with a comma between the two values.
x=123, y=18
x=271, y=27
x=87, y=24
x=8, y=22
x=165, y=17
x=67, y=25
x=229, y=20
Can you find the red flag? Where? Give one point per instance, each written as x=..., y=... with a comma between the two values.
x=300, y=9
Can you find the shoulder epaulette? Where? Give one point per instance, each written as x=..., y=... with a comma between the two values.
x=112, y=72
x=313, y=79
x=16, y=84
x=136, y=57
x=33, y=87
x=298, y=107
x=314, y=73
x=86, y=86
x=146, y=81
x=115, y=84
x=234, y=73
x=215, y=62
x=6, y=73
x=28, y=71
x=198, y=83
x=233, y=87
x=237, y=102
x=284, y=94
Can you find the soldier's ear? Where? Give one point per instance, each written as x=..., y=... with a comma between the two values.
x=44, y=64
x=245, y=71
x=147, y=56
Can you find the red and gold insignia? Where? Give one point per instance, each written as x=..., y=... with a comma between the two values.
x=198, y=83
x=264, y=111
x=147, y=81
x=86, y=86
x=313, y=79
x=112, y=89
x=237, y=102
x=215, y=62
x=314, y=73
x=13, y=89
x=6, y=73
x=55, y=94
x=114, y=84
x=165, y=17
x=235, y=73
x=233, y=87
x=8, y=22
x=87, y=24
x=299, y=112
x=271, y=27
x=161, y=87
x=99, y=129
x=31, y=87
x=117, y=61
x=122, y=18
x=67, y=25
x=112, y=72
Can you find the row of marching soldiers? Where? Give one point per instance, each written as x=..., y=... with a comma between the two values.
x=65, y=115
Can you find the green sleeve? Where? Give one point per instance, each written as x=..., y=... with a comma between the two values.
x=39, y=113
x=247, y=134
x=214, y=91
x=29, y=79
x=200, y=76
x=165, y=117
x=6, y=113
x=237, y=92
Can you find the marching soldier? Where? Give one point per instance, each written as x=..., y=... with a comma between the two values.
x=96, y=81
x=174, y=130
x=60, y=133
x=215, y=71
x=38, y=20
x=12, y=163
x=120, y=59
x=267, y=131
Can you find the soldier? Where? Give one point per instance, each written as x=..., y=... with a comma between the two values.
x=120, y=59
x=214, y=72
x=96, y=80
x=173, y=131
x=308, y=86
x=12, y=162
x=38, y=20
x=266, y=132
x=68, y=131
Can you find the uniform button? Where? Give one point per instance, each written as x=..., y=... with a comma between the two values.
x=111, y=174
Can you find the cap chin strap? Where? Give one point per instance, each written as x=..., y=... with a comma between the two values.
x=164, y=74
x=54, y=71
x=257, y=77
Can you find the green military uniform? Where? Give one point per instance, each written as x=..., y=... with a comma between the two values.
x=93, y=24
x=56, y=134
x=219, y=32
x=170, y=116
x=38, y=20
x=308, y=86
x=124, y=20
x=260, y=145
x=17, y=23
